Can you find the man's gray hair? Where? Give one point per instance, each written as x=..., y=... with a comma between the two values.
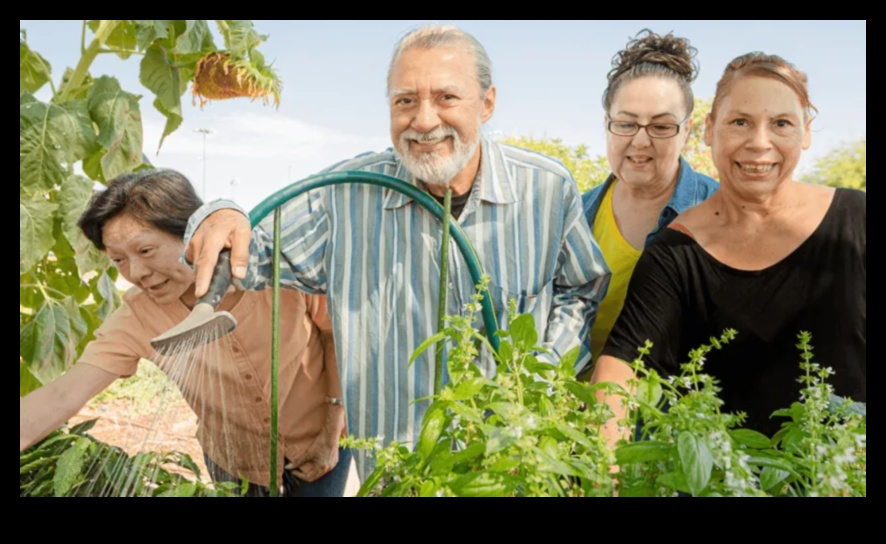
x=433, y=36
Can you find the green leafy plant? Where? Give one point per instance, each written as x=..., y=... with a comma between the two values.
x=530, y=430
x=73, y=464
x=88, y=131
x=533, y=430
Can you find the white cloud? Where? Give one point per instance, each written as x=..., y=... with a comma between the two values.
x=251, y=155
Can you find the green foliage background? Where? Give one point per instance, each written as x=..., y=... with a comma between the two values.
x=91, y=125
x=592, y=171
x=843, y=167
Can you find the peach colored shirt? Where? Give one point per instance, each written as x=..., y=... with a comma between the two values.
x=227, y=382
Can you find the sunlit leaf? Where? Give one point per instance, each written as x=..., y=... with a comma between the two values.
x=696, y=460
x=69, y=467
x=52, y=137
x=35, y=231
x=165, y=80
x=117, y=115
x=48, y=344
x=34, y=70
x=73, y=197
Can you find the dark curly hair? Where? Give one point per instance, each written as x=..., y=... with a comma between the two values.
x=651, y=55
x=159, y=197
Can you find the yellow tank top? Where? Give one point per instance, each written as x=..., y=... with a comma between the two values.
x=622, y=258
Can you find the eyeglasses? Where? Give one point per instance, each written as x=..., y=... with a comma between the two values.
x=654, y=130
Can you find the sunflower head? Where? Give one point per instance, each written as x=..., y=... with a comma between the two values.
x=219, y=76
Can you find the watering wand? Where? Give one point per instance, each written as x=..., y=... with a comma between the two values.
x=204, y=324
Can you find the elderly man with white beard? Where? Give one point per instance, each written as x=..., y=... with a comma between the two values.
x=374, y=251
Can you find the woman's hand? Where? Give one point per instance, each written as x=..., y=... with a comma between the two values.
x=322, y=455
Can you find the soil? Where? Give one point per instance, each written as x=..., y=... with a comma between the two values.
x=162, y=429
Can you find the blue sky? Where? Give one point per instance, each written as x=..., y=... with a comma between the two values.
x=550, y=76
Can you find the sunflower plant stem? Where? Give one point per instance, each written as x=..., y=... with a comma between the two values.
x=275, y=351
x=101, y=34
x=444, y=283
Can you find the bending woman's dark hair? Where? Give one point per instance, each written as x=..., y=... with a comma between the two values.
x=159, y=197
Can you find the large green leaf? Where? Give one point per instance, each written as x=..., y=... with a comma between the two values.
x=35, y=230
x=750, y=438
x=432, y=428
x=34, y=71
x=193, y=39
x=697, y=461
x=523, y=332
x=27, y=381
x=163, y=79
x=123, y=39
x=240, y=37
x=48, y=343
x=481, y=484
x=643, y=452
x=117, y=115
x=51, y=137
x=109, y=295
x=148, y=31
x=73, y=198
x=69, y=467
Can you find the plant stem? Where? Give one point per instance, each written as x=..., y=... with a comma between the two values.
x=118, y=51
x=101, y=34
x=275, y=350
x=444, y=283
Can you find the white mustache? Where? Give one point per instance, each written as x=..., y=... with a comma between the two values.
x=424, y=137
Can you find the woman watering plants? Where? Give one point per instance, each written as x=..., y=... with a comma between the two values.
x=139, y=221
x=648, y=105
x=766, y=256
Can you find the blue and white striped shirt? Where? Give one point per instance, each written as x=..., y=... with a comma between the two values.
x=374, y=252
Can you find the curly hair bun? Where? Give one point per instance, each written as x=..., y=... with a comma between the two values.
x=650, y=48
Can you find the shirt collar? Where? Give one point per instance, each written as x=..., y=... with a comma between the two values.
x=686, y=192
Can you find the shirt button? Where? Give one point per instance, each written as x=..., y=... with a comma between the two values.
x=259, y=399
x=247, y=377
x=267, y=420
x=236, y=349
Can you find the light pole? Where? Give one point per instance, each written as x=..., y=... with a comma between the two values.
x=204, y=132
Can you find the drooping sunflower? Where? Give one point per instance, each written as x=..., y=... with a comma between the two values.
x=220, y=76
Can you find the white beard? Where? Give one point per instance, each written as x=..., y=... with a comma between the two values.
x=432, y=168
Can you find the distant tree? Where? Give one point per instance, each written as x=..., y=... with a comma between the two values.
x=587, y=171
x=696, y=153
x=843, y=167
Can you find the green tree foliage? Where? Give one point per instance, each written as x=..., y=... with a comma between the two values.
x=592, y=171
x=696, y=152
x=587, y=171
x=66, y=287
x=843, y=167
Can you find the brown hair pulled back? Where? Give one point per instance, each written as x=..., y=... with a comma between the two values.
x=769, y=66
x=652, y=55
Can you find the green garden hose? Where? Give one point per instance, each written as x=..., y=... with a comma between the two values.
x=272, y=205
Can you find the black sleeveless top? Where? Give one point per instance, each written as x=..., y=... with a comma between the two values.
x=680, y=296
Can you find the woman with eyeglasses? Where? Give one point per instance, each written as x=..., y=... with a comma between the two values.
x=648, y=105
x=766, y=256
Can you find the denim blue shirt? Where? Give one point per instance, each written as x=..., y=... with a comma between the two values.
x=692, y=189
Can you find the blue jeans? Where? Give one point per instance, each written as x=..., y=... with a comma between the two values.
x=331, y=484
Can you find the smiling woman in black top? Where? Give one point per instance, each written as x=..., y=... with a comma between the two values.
x=766, y=256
